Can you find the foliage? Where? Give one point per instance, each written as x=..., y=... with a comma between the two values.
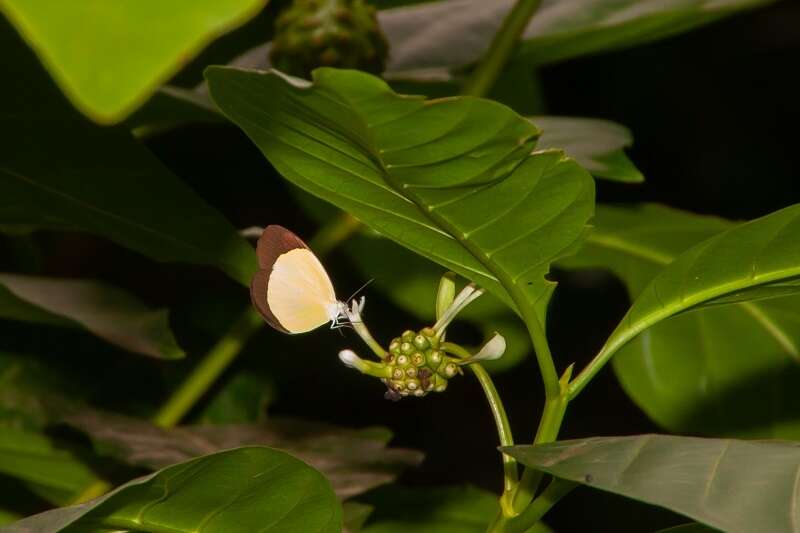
x=112, y=247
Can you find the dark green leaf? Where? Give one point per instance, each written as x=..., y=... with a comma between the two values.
x=755, y=260
x=108, y=312
x=560, y=29
x=689, y=528
x=721, y=370
x=235, y=491
x=354, y=461
x=597, y=145
x=60, y=171
x=243, y=398
x=37, y=459
x=110, y=57
x=733, y=485
x=453, y=179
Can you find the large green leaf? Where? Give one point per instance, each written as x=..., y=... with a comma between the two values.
x=108, y=312
x=241, y=490
x=723, y=370
x=59, y=170
x=109, y=57
x=597, y=145
x=353, y=460
x=733, y=485
x=756, y=260
x=453, y=33
x=453, y=179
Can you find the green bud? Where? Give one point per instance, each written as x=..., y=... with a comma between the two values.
x=394, y=347
x=408, y=335
x=411, y=372
x=428, y=332
x=450, y=370
x=419, y=393
x=434, y=358
x=412, y=384
x=397, y=373
x=418, y=359
x=398, y=385
x=407, y=348
x=421, y=342
x=402, y=360
x=441, y=386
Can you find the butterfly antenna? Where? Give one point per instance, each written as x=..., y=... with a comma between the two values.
x=364, y=286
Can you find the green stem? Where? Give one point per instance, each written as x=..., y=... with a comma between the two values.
x=557, y=489
x=505, y=41
x=217, y=360
x=510, y=474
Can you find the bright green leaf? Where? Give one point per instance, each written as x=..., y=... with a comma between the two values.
x=734, y=485
x=756, y=260
x=109, y=57
x=597, y=145
x=453, y=179
x=235, y=491
x=560, y=29
x=108, y=312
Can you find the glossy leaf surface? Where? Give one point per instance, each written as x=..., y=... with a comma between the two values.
x=109, y=57
x=242, y=490
x=108, y=312
x=734, y=485
x=453, y=179
x=752, y=261
x=724, y=370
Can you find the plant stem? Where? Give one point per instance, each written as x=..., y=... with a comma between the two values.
x=217, y=360
x=557, y=489
x=510, y=474
x=505, y=41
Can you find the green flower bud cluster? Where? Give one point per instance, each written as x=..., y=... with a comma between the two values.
x=417, y=366
x=334, y=33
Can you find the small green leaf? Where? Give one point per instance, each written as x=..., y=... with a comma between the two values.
x=235, y=491
x=109, y=57
x=733, y=485
x=353, y=460
x=597, y=145
x=108, y=312
x=756, y=260
x=452, y=179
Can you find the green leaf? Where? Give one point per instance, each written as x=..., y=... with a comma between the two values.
x=597, y=145
x=559, y=30
x=109, y=57
x=733, y=485
x=108, y=312
x=726, y=370
x=756, y=260
x=242, y=490
x=353, y=460
x=452, y=179
x=100, y=180
x=38, y=460
x=689, y=528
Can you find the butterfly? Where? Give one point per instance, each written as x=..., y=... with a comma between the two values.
x=291, y=289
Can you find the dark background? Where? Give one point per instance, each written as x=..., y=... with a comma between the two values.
x=714, y=115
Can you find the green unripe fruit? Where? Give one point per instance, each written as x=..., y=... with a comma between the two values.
x=407, y=348
x=421, y=342
x=435, y=358
x=339, y=33
x=418, y=359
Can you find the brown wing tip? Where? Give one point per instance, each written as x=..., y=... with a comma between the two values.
x=274, y=242
x=258, y=295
